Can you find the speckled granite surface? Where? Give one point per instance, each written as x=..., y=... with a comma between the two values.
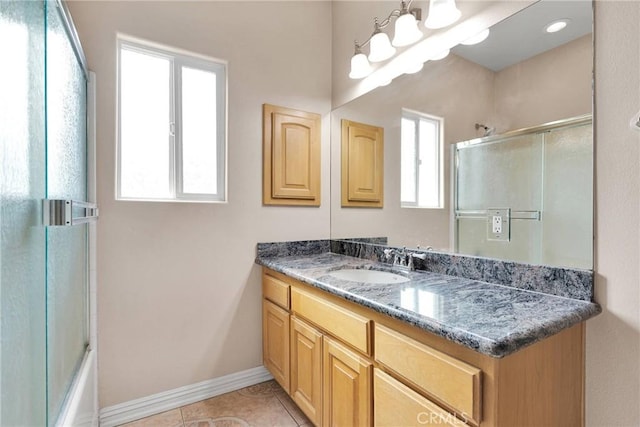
x=490, y=318
x=564, y=282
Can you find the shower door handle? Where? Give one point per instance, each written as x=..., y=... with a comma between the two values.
x=62, y=212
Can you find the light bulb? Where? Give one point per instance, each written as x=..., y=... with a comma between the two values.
x=406, y=30
x=380, y=47
x=556, y=26
x=442, y=13
x=360, y=66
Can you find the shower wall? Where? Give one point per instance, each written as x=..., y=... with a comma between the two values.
x=544, y=177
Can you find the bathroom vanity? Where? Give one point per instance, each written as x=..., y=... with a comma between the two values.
x=435, y=349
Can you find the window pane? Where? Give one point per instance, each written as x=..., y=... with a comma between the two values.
x=199, y=129
x=144, y=125
x=429, y=172
x=408, y=161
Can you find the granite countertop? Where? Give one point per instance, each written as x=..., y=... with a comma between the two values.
x=492, y=319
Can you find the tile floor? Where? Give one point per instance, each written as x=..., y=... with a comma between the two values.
x=264, y=404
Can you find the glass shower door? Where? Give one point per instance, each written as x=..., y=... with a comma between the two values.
x=22, y=236
x=43, y=270
x=542, y=177
x=66, y=246
x=503, y=174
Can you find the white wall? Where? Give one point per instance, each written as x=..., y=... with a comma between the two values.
x=179, y=296
x=613, y=338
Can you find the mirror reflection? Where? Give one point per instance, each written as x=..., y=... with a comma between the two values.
x=486, y=152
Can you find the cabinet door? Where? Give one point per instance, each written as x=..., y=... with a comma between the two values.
x=291, y=145
x=362, y=164
x=306, y=369
x=397, y=405
x=347, y=387
x=275, y=342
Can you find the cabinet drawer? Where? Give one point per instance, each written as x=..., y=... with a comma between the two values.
x=397, y=405
x=275, y=290
x=447, y=379
x=349, y=327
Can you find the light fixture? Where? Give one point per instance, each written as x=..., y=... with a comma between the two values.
x=360, y=66
x=556, y=26
x=442, y=13
x=441, y=55
x=415, y=68
x=380, y=47
x=478, y=38
x=406, y=28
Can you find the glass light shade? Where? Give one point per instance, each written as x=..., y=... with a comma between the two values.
x=414, y=68
x=360, y=66
x=380, y=48
x=440, y=55
x=478, y=38
x=407, y=31
x=442, y=13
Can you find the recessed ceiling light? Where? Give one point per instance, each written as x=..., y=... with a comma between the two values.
x=556, y=26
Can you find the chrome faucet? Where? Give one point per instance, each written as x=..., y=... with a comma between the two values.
x=402, y=258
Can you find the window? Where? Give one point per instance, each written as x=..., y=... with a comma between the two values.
x=171, y=125
x=421, y=161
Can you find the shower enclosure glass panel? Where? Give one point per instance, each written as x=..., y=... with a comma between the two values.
x=22, y=237
x=544, y=176
x=502, y=174
x=67, y=263
x=43, y=271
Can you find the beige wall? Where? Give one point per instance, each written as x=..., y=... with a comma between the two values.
x=176, y=307
x=613, y=338
x=178, y=292
x=554, y=85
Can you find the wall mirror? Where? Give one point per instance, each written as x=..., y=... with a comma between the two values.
x=489, y=151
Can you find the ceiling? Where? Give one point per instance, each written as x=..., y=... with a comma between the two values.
x=522, y=35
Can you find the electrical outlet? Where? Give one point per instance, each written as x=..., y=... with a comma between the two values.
x=497, y=224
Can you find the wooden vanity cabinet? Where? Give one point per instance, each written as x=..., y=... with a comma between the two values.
x=347, y=386
x=398, y=405
x=306, y=369
x=275, y=327
x=275, y=342
x=351, y=366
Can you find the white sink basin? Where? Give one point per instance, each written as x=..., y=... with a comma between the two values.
x=368, y=276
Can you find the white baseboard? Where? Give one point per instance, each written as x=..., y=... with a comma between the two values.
x=171, y=399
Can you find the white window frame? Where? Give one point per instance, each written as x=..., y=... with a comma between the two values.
x=416, y=117
x=179, y=58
